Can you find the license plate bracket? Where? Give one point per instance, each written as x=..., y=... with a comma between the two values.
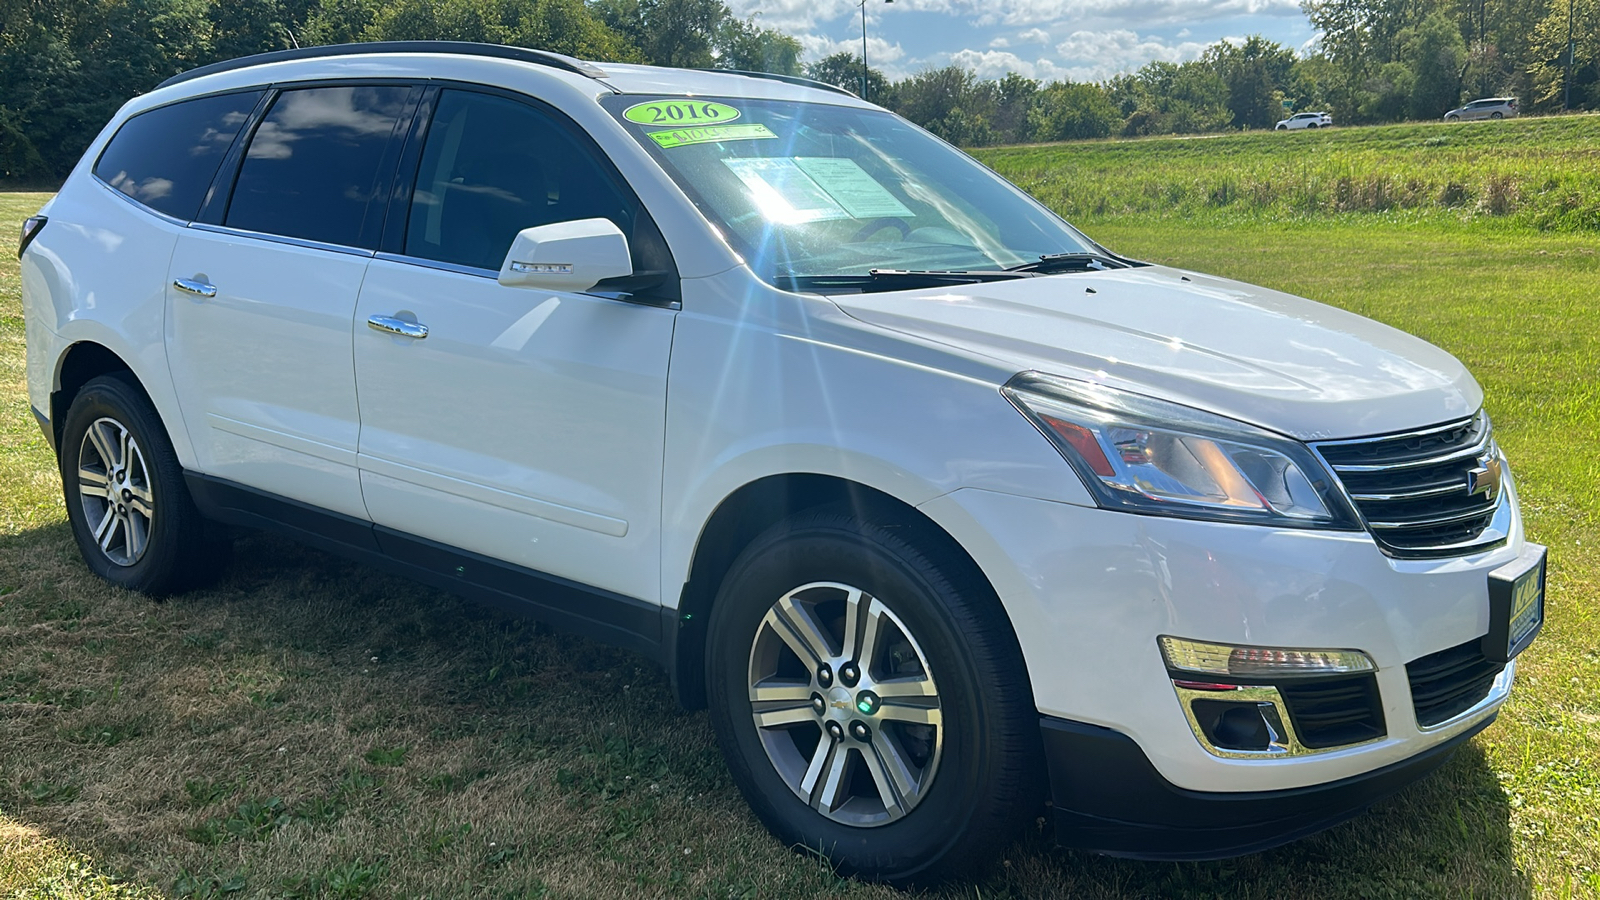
x=1516, y=605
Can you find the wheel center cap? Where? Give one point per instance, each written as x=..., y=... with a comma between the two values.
x=840, y=703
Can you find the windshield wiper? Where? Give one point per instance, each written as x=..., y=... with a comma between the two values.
x=1077, y=261
x=896, y=279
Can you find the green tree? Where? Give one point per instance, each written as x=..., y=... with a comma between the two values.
x=741, y=44
x=843, y=70
x=1437, y=55
x=1065, y=111
x=1256, y=73
x=1548, y=72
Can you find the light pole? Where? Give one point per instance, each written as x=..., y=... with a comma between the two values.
x=863, y=5
x=1566, y=102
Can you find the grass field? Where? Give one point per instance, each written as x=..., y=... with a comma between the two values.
x=1542, y=173
x=309, y=727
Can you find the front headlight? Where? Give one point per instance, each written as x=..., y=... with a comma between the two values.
x=1140, y=454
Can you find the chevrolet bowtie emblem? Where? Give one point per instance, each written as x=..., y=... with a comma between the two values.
x=840, y=704
x=1485, y=479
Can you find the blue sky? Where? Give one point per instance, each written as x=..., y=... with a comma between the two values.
x=1080, y=40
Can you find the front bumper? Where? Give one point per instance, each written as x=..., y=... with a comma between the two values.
x=1108, y=798
x=1088, y=591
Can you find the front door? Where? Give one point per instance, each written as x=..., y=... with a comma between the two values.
x=526, y=425
x=261, y=303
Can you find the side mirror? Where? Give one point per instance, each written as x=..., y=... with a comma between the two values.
x=567, y=256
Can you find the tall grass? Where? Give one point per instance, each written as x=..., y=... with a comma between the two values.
x=1540, y=173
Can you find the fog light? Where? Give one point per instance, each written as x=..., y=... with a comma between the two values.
x=1237, y=726
x=1223, y=659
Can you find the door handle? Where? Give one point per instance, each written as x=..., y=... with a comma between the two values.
x=198, y=288
x=391, y=325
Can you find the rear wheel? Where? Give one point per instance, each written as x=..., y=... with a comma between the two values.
x=1497, y=115
x=872, y=705
x=126, y=500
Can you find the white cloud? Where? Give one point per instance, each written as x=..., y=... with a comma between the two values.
x=1098, y=55
x=991, y=64
x=881, y=54
x=1035, y=36
x=999, y=43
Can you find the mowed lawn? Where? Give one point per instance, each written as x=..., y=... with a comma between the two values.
x=310, y=727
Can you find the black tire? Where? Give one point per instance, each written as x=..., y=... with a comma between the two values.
x=158, y=544
x=1313, y=125
x=1283, y=128
x=987, y=779
x=1497, y=115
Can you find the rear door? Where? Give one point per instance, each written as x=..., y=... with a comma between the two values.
x=527, y=425
x=262, y=293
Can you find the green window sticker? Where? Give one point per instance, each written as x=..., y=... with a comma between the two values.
x=680, y=137
x=680, y=112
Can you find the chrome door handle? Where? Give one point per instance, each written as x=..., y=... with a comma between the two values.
x=198, y=288
x=391, y=325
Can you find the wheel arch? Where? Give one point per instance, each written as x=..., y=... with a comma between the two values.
x=758, y=505
x=80, y=363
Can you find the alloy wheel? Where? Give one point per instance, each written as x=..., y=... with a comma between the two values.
x=845, y=704
x=114, y=489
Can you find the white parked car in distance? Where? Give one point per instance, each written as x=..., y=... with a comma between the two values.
x=1305, y=120
x=1487, y=108
x=941, y=507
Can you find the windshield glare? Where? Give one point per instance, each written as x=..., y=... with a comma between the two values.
x=807, y=189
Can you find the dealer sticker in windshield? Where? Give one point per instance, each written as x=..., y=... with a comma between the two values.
x=783, y=191
x=680, y=112
x=859, y=193
x=680, y=137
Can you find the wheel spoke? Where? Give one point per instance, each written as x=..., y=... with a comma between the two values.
x=107, y=528
x=916, y=715
x=785, y=715
x=852, y=626
x=798, y=628
x=872, y=633
x=97, y=437
x=89, y=478
x=891, y=790
x=134, y=530
x=142, y=493
x=829, y=795
x=912, y=686
x=778, y=691
x=123, y=461
x=141, y=505
x=819, y=761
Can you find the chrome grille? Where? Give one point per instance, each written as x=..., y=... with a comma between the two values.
x=1411, y=488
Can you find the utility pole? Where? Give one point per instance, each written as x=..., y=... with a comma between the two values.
x=1566, y=102
x=863, y=5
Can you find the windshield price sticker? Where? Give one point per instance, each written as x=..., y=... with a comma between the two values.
x=847, y=183
x=679, y=137
x=680, y=112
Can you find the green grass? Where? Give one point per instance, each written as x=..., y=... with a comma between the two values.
x=312, y=728
x=1542, y=173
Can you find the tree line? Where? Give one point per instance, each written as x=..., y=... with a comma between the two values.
x=67, y=65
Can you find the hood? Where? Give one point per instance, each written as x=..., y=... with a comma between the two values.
x=1281, y=362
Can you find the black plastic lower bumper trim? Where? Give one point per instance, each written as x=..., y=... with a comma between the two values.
x=1110, y=799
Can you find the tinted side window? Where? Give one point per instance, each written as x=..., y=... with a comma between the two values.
x=312, y=167
x=166, y=158
x=491, y=167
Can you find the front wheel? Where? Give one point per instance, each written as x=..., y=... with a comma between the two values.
x=1283, y=128
x=126, y=500
x=872, y=705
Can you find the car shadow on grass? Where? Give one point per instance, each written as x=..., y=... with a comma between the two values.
x=306, y=718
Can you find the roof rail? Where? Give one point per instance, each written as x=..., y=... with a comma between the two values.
x=788, y=79
x=462, y=48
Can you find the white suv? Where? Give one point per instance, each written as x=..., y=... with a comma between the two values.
x=1305, y=120
x=942, y=507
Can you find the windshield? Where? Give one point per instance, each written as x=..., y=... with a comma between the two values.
x=807, y=190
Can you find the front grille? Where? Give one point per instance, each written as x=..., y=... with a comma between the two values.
x=1412, y=488
x=1448, y=683
x=1332, y=712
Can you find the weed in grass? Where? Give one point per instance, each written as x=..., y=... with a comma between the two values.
x=204, y=792
x=50, y=792
x=101, y=734
x=209, y=886
x=387, y=756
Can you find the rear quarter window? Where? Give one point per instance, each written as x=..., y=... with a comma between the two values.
x=166, y=158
